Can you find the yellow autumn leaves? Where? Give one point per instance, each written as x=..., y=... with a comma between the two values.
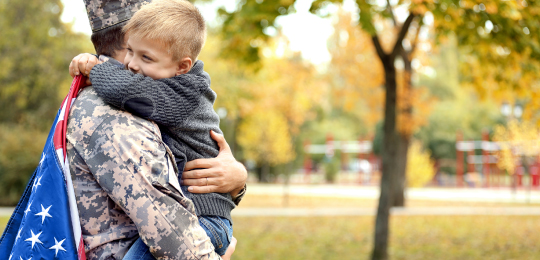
x=420, y=168
x=518, y=143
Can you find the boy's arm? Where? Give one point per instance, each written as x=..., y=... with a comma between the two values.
x=145, y=96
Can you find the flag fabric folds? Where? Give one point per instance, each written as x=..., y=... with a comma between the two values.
x=45, y=223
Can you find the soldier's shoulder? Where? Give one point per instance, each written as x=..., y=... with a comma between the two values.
x=90, y=115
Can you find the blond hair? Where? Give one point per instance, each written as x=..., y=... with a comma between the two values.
x=177, y=24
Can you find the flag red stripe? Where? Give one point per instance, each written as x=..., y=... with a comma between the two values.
x=73, y=92
x=80, y=252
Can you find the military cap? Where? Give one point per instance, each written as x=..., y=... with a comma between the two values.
x=106, y=13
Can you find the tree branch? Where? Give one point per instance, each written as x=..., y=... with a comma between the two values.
x=415, y=41
x=378, y=47
x=402, y=34
x=391, y=11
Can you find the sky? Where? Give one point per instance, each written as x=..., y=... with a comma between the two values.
x=306, y=32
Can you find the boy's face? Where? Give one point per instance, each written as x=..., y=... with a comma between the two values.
x=150, y=58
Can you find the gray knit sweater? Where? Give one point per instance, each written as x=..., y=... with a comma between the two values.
x=183, y=108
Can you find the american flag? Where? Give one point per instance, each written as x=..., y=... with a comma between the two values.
x=45, y=223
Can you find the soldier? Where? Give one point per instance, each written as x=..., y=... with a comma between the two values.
x=124, y=176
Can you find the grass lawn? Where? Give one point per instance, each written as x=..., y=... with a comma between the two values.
x=440, y=237
x=412, y=237
x=3, y=223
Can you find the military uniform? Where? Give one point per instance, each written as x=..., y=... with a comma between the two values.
x=126, y=185
x=106, y=13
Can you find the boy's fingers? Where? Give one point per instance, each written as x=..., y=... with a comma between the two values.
x=91, y=63
x=73, y=66
x=82, y=63
x=71, y=70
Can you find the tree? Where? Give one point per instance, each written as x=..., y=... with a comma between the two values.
x=355, y=73
x=512, y=29
x=458, y=108
x=35, y=51
x=278, y=105
x=518, y=142
x=267, y=106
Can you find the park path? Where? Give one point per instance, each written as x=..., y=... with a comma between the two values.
x=492, y=195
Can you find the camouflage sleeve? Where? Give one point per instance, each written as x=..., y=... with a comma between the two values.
x=236, y=199
x=167, y=102
x=132, y=165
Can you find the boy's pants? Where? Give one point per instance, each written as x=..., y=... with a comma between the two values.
x=217, y=228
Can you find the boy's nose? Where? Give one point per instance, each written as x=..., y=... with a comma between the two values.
x=132, y=66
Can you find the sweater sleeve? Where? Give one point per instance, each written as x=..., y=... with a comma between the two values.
x=168, y=102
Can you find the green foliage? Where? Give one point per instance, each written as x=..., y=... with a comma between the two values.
x=35, y=51
x=331, y=167
x=251, y=18
x=457, y=109
x=19, y=156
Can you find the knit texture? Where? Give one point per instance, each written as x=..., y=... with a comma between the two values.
x=183, y=108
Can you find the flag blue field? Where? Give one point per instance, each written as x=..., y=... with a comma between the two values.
x=45, y=223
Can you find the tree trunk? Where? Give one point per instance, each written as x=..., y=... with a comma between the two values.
x=403, y=136
x=401, y=178
x=264, y=172
x=390, y=143
x=389, y=165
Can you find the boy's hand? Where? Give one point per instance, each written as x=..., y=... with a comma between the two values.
x=82, y=64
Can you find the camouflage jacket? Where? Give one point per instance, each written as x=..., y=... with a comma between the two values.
x=126, y=186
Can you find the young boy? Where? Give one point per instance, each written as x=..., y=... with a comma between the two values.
x=166, y=83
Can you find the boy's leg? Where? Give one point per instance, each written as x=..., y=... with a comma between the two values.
x=139, y=251
x=219, y=230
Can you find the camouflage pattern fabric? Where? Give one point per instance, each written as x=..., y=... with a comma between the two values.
x=126, y=186
x=106, y=13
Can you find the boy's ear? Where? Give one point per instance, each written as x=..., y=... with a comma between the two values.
x=184, y=65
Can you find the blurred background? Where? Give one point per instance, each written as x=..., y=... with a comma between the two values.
x=314, y=98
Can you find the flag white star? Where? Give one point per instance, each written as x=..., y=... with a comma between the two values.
x=10, y=256
x=18, y=235
x=37, y=183
x=44, y=213
x=42, y=159
x=27, y=209
x=34, y=239
x=23, y=259
x=57, y=246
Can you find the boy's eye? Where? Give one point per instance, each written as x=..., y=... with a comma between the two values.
x=147, y=58
x=129, y=49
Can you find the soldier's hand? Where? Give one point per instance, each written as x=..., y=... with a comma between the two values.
x=230, y=250
x=83, y=64
x=222, y=174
